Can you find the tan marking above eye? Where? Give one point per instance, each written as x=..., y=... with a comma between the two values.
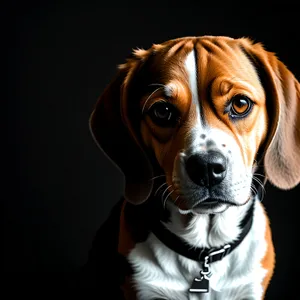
x=225, y=87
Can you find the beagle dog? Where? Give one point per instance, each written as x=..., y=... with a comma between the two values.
x=198, y=125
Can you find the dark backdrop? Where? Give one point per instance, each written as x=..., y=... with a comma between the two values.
x=59, y=187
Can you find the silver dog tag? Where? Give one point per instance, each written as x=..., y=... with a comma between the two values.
x=200, y=284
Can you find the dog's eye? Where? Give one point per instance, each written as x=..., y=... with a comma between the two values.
x=240, y=106
x=163, y=114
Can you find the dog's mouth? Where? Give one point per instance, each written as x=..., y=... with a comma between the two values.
x=210, y=202
x=210, y=205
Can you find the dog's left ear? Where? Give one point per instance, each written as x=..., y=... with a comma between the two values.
x=282, y=152
x=114, y=135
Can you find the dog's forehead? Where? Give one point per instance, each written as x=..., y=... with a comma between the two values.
x=209, y=57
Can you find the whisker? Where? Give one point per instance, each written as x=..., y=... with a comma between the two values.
x=149, y=98
x=259, y=182
x=165, y=201
x=262, y=186
x=258, y=174
x=162, y=196
x=157, y=84
x=159, y=188
x=253, y=191
x=157, y=177
x=176, y=199
x=253, y=188
x=179, y=199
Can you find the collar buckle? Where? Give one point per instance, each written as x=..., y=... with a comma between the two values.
x=215, y=255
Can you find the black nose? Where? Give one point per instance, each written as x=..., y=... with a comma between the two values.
x=206, y=169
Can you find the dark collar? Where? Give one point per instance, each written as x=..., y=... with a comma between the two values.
x=176, y=244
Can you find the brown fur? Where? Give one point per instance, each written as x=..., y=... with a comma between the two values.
x=268, y=262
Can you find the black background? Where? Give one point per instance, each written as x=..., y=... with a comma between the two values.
x=59, y=188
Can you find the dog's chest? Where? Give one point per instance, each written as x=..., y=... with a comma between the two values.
x=160, y=273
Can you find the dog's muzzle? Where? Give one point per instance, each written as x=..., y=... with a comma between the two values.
x=207, y=169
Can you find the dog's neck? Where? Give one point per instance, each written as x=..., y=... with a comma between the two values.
x=201, y=230
x=207, y=231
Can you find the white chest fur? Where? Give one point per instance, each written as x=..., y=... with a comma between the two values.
x=160, y=273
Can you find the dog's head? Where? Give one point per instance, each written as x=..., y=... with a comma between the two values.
x=205, y=112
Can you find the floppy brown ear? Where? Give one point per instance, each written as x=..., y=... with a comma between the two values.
x=282, y=154
x=113, y=136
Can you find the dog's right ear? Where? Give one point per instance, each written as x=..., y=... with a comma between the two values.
x=112, y=134
x=282, y=147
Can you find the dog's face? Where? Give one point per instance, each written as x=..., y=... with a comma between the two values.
x=205, y=118
x=201, y=110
